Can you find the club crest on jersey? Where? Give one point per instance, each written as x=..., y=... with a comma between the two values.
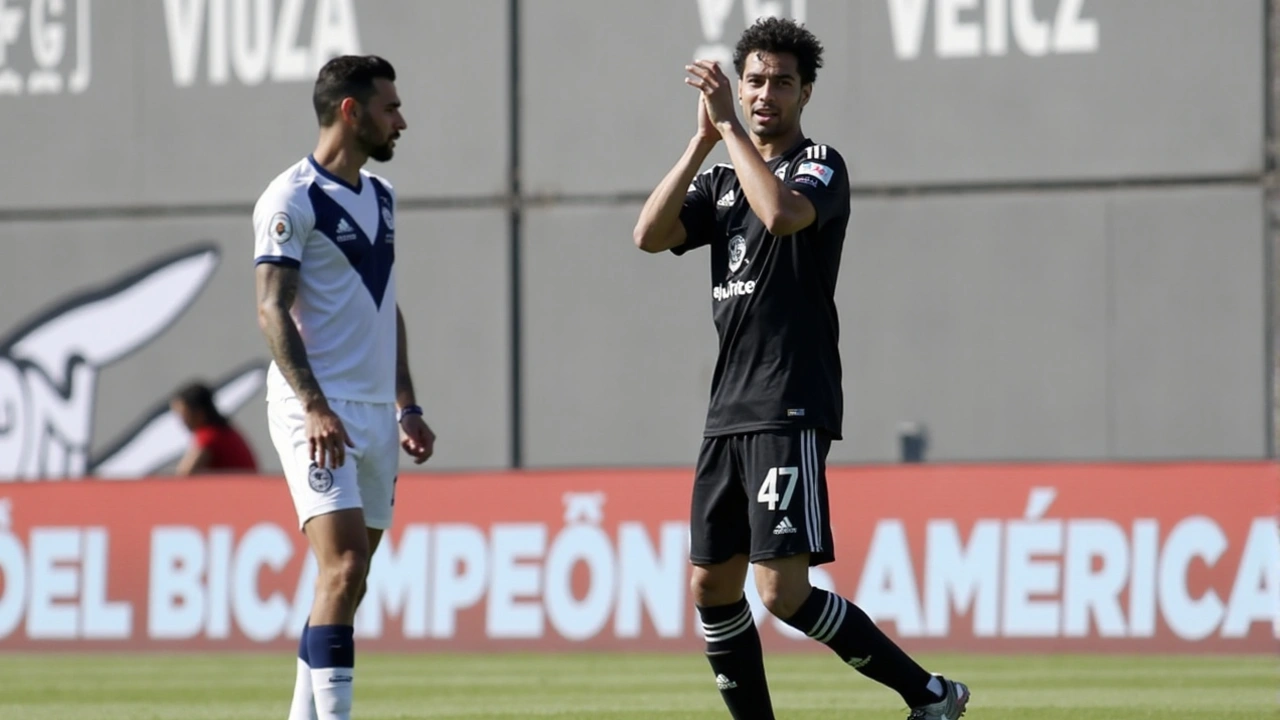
x=320, y=479
x=280, y=227
x=781, y=172
x=737, y=253
x=388, y=218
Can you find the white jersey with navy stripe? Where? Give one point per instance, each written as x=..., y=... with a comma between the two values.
x=342, y=240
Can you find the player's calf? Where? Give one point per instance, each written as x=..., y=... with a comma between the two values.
x=733, y=642
x=341, y=547
x=339, y=584
x=843, y=627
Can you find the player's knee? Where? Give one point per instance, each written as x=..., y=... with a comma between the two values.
x=782, y=595
x=710, y=588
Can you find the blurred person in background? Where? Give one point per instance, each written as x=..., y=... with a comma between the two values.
x=216, y=446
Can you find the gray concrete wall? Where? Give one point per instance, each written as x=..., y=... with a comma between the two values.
x=912, y=94
x=1057, y=248
x=1064, y=325
x=76, y=286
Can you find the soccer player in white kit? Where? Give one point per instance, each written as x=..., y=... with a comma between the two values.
x=339, y=393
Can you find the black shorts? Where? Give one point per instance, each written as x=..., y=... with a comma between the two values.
x=763, y=495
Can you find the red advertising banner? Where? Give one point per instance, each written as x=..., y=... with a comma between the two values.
x=1129, y=558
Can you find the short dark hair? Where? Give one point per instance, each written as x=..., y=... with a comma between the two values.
x=198, y=396
x=776, y=36
x=347, y=76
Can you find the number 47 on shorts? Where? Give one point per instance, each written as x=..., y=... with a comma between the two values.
x=769, y=489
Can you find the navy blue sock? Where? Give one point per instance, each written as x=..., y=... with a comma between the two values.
x=303, y=706
x=331, y=646
x=333, y=661
x=304, y=652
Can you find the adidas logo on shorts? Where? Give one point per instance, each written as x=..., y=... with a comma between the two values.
x=785, y=527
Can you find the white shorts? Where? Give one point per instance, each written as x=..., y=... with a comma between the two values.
x=367, y=477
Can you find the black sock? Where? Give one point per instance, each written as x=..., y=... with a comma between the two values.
x=846, y=629
x=733, y=649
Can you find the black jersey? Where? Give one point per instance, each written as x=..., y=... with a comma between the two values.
x=773, y=298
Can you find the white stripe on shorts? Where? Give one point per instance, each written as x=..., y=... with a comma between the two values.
x=813, y=508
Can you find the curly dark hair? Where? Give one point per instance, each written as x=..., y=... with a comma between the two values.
x=347, y=76
x=778, y=35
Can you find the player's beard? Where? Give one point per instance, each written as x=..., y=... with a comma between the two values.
x=368, y=137
x=782, y=125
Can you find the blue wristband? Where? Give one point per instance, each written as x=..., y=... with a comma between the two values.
x=408, y=410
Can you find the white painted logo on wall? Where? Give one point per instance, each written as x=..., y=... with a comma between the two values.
x=714, y=16
x=49, y=374
x=249, y=42
x=56, y=37
x=967, y=29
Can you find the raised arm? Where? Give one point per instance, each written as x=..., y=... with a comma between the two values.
x=659, y=227
x=782, y=210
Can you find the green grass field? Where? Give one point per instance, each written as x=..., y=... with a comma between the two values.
x=628, y=687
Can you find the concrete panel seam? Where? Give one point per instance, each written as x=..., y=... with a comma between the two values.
x=146, y=212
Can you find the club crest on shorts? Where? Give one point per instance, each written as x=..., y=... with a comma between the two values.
x=320, y=479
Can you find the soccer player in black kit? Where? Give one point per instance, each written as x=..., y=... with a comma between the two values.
x=775, y=222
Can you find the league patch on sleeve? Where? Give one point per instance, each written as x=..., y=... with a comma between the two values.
x=806, y=179
x=280, y=229
x=817, y=170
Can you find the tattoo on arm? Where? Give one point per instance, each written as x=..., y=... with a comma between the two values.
x=404, y=381
x=277, y=289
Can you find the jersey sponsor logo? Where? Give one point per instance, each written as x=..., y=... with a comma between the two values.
x=49, y=373
x=1055, y=27
x=737, y=253
x=733, y=289
x=60, y=58
x=806, y=179
x=256, y=41
x=817, y=170
x=280, y=227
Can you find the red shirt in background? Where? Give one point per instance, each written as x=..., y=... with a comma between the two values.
x=227, y=450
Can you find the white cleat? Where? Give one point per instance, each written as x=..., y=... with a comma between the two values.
x=950, y=707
